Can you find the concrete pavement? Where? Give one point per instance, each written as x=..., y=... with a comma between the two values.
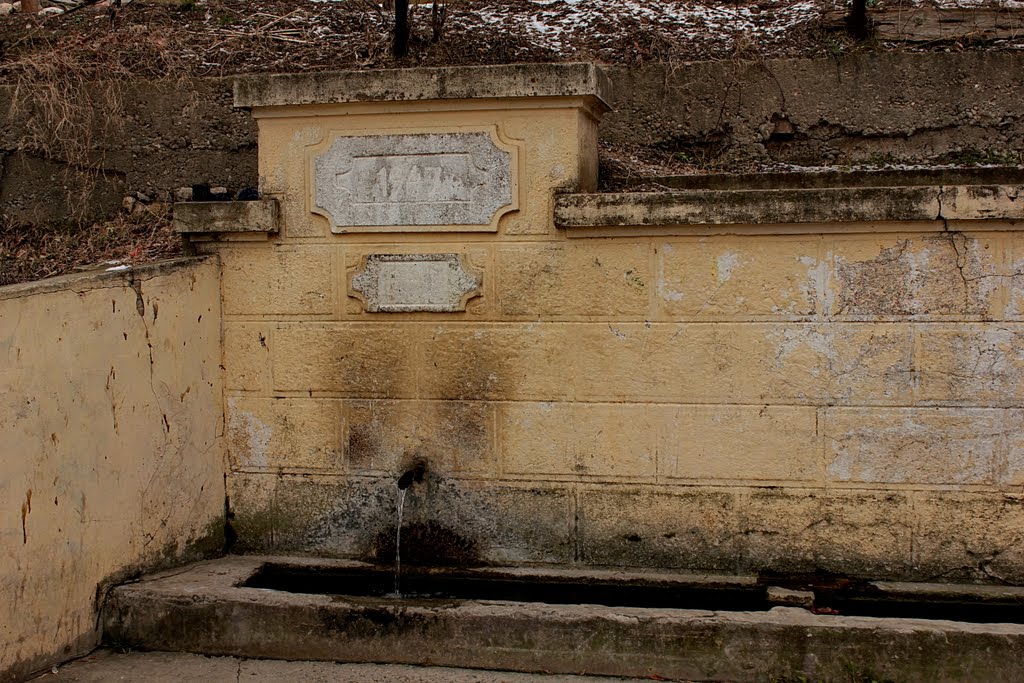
x=104, y=666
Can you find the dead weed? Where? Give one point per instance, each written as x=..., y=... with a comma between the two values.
x=32, y=252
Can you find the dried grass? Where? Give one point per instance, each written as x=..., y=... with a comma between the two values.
x=32, y=252
x=67, y=91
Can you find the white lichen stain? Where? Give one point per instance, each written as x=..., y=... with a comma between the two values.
x=668, y=294
x=817, y=277
x=919, y=264
x=726, y=264
x=251, y=431
x=786, y=308
x=1014, y=282
x=308, y=136
x=662, y=286
x=841, y=468
x=791, y=340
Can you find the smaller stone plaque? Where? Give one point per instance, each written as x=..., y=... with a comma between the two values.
x=404, y=283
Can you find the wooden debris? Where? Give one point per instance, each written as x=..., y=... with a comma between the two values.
x=928, y=24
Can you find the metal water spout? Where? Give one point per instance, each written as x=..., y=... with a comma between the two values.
x=412, y=475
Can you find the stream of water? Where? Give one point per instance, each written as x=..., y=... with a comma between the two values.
x=398, y=543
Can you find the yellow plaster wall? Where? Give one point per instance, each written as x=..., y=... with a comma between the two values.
x=839, y=401
x=110, y=418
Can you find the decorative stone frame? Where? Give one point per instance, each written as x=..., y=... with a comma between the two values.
x=487, y=190
x=444, y=283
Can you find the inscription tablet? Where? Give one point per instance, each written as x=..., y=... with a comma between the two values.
x=411, y=180
x=401, y=283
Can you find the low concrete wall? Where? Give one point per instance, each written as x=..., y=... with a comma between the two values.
x=166, y=135
x=851, y=109
x=110, y=420
x=960, y=108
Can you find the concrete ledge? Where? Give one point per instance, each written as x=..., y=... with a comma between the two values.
x=204, y=611
x=791, y=206
x=102, y=276
x=205, y=218
x=803, y=180
x=442, y=83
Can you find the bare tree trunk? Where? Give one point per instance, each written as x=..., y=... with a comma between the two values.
x=857, y=21
x=30, y=6
x=400, y=47
x=437, y=15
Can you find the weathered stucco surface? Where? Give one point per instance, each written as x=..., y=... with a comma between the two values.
x=110, y=421
x=846, y=399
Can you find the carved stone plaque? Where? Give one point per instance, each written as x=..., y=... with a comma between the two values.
x=412, y=180
x=402, y=283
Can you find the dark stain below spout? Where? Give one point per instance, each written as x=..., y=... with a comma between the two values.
x=427, y=545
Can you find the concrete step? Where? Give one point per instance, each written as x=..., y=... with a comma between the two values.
x=206, y=609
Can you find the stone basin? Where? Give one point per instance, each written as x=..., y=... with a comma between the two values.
x=300, y=608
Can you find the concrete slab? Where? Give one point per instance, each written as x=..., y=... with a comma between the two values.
x=439, y=83
x=204, y=218
x=104, y=666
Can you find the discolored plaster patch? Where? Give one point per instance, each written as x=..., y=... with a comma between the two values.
x=248, y=437
x=954, y=446
x=971, y=365
x=915, y=277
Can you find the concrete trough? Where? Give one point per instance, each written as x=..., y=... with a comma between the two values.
x=207, y=609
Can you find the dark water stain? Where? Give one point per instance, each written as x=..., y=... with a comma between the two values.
x=26, y=508
x=427, y=544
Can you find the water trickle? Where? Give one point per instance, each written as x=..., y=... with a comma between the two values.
x=398, y=543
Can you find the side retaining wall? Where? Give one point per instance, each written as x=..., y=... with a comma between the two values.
x=110, y=419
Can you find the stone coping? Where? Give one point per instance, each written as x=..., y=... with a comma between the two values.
x=435, y=83
x=206, y=218
x=789, y=206
x=838, y=178
x=105, y=275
